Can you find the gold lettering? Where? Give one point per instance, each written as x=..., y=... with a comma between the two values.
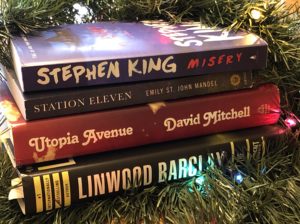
x=78, y=71
x=42, y=72
x=66, y=72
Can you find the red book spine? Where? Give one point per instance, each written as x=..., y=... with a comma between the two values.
x=69, y=136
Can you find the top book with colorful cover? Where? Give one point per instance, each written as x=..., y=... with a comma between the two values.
x=117, y=52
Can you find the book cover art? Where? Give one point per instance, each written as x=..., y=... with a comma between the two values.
x=117, y=52
x=37, y=105
x=57, y=184
x=74, y=135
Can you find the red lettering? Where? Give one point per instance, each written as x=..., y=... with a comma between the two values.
x=193, y=63
x=220, y=59
x=211, y=61
x=238, y=56
x=203, y=62
x=229, y=59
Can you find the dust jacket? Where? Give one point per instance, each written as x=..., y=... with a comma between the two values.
x=117, y=52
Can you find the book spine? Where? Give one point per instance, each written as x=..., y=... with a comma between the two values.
x=47, y=190
x=125, y=70
x=114, y=96
x=63, y=137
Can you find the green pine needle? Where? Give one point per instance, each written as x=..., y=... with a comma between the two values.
x=269, y=197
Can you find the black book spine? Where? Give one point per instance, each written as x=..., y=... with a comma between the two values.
x=46, y=188
x=139, y=68
x=64, y=102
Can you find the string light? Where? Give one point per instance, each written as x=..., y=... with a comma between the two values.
x=200, y=180
x=290, y=122
x=255, y=14
x=238, y=178
x=81, y=12
x=198, y=184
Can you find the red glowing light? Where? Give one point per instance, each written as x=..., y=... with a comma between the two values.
x=291, y=122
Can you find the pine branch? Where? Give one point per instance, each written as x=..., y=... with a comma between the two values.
x=28, y=15
x=263, y=197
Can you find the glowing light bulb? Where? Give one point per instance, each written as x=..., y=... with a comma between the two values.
x=81, y=12
x=200, y=180
x=255, y=14
x=238, y=178
x=290, y=122
x=198, y=184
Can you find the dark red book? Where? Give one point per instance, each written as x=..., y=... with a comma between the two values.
x=75, y=135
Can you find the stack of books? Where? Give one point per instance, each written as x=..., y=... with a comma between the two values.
x=96, y=109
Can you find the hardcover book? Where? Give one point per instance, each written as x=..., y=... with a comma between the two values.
x=118, y=52
x=74, y=135
x=47, y=186
x=37, y=105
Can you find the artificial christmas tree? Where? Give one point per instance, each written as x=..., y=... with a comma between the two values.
x=250, y=191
